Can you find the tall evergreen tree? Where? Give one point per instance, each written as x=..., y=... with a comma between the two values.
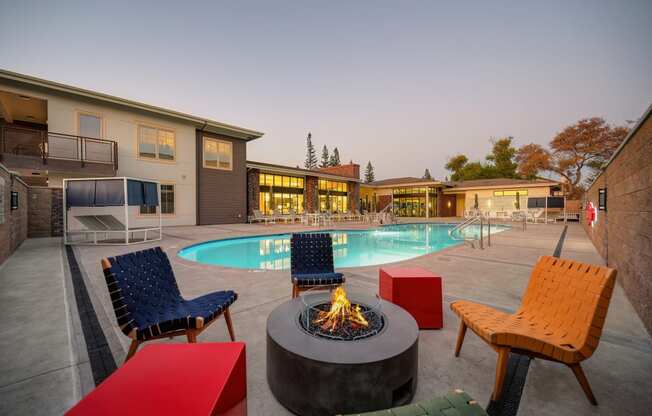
x=325, y=159
x=311, y=157
x=426, y=174
x=369, y=175
x=335, y=158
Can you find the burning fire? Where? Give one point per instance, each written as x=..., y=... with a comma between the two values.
x=341, y=313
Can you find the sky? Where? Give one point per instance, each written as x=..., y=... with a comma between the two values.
x=403, y=84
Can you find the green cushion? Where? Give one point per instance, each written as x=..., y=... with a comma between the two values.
x=453, y=404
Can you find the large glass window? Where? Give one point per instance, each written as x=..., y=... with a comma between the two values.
x=218, y=154
x=90, y=125
x=155, y=143
x=411, y=201
x=333, y=196
x=281, y=193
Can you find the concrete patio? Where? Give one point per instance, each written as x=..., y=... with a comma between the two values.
x=36, y=281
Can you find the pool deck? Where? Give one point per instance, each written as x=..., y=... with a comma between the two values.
x=47, y=376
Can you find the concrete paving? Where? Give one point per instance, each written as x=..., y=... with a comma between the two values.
x=40, y=367
x=619, y=371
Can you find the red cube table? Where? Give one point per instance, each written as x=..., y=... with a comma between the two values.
x=174, y=379
x=416, y=290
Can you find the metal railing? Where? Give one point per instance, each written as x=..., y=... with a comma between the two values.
x=479, y=219
x=46, y=145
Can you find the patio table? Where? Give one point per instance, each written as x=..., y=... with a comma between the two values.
x=174, y=379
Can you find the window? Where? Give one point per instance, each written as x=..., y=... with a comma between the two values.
x=218, y=154
x=511, y=192
x=167, y=202
x=155, y=143
x=268, y=180
x=90, y=126
x=167, y=199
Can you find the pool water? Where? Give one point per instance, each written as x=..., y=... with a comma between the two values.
x=351, y=248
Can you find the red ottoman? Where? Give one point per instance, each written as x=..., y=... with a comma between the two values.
x=174, y=379
x=416, y=290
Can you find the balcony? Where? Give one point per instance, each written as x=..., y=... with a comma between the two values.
x=32, y=149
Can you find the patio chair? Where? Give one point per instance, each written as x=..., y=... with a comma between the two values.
x=148, y=304
x=312, y=263
x=560, y=318
x=260, y=217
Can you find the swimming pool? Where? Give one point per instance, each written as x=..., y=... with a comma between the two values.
x=351, y=248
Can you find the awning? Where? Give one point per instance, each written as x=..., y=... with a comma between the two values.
x=110, y=192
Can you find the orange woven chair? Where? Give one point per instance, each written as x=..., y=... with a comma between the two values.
x=560, y=319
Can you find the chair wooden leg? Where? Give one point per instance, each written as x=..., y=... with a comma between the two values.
x=295, y=290
x=132, y=349
x=192, y=336
x=501, y=370
x=584, y=382
x=229, y=324
x=460, y=338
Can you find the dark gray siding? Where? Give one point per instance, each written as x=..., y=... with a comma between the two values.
x=222, y=195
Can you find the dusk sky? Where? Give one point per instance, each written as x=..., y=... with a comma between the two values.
x=403, y=84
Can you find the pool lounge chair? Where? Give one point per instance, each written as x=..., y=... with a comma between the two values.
x=148, y=304
x=312, y=263
x=260, y=217
x=560, y=318
x=108, y=225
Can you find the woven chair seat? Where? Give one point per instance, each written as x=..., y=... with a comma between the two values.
x=312, y=262
x=516, y=331
x=319, y=279
x=147, y=300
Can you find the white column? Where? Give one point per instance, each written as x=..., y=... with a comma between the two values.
x=427, y=203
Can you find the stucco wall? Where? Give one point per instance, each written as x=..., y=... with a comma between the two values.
x=623, y=234
x=121, y=125
x=486, y=195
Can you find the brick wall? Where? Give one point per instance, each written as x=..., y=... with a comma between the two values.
x=253, y=190
x=350, y=170
x=13, y=226
x=623, y=234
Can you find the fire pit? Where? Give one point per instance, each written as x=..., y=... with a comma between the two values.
x=333, y=352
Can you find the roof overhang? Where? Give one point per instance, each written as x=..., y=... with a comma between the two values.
x=269, y=168
x=513, y=186
x=199, y=122
x=401, y=185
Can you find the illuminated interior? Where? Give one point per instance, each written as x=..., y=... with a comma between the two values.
x=281, y=193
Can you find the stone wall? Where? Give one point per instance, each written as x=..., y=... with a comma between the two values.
x=45, y=212
x=13, y=223
x=623, y=233
x=354, y=196
x=310, y=194
x=253, y=190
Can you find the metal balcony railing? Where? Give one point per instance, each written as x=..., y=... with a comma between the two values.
x=21, y=141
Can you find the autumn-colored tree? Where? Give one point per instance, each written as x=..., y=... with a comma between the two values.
x=577, y=152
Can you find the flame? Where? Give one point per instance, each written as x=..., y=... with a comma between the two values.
x=341, y=313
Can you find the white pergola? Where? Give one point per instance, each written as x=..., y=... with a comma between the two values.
x=95, y=195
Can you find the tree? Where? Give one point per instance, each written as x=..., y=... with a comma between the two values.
x=335, y=158
x=426, y=174
x=369, y=175
x=325, y=160
x=455, y=164
x=578, y=151
x=311, y=158
x=502, y=156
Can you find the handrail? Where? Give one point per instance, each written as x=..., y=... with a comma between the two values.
x=471, y=221
x=51, y=145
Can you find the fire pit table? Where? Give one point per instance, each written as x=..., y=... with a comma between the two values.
x=329, y=353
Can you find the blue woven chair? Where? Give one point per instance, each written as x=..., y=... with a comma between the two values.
x=312, y=263
x=148, y=304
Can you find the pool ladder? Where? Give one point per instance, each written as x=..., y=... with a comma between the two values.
x=479, y=219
